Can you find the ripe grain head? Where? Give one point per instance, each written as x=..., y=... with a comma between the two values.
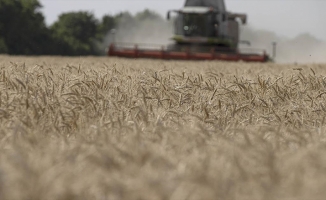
x=108, y=128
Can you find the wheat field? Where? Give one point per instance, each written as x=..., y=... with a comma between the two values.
x=114, y=129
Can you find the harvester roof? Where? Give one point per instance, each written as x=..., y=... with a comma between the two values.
x=194, y=9
x=218, y=5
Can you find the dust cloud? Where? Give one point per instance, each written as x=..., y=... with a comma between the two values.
x=303, y=48
x=155, y=31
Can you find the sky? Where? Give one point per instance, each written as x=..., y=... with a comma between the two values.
x=287, y=18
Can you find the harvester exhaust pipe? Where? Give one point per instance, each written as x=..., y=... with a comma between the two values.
x=274, y=49
x=113, y=32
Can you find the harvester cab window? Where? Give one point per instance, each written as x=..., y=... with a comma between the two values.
x=214, y=25
x=194, y=24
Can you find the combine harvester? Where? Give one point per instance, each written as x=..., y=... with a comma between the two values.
x=204, y=30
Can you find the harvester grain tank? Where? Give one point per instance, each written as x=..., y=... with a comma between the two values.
x=204, y=30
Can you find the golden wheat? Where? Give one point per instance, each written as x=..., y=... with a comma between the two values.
x=108, y=128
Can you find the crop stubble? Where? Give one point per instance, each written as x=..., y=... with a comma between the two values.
x=109, y=128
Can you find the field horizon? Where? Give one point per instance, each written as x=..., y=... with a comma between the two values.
x=113, y=129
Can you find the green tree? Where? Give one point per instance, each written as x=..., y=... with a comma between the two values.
x=3, y=46
x=107, y=23
x=22, y=28
x=75, y=33
x=124, y=18
x=147, y=15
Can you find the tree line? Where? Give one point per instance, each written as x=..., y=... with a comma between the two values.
x=23, y=30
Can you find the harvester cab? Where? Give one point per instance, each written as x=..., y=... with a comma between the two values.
x=203, y=30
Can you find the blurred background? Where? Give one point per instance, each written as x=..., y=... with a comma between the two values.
x=83, y=27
